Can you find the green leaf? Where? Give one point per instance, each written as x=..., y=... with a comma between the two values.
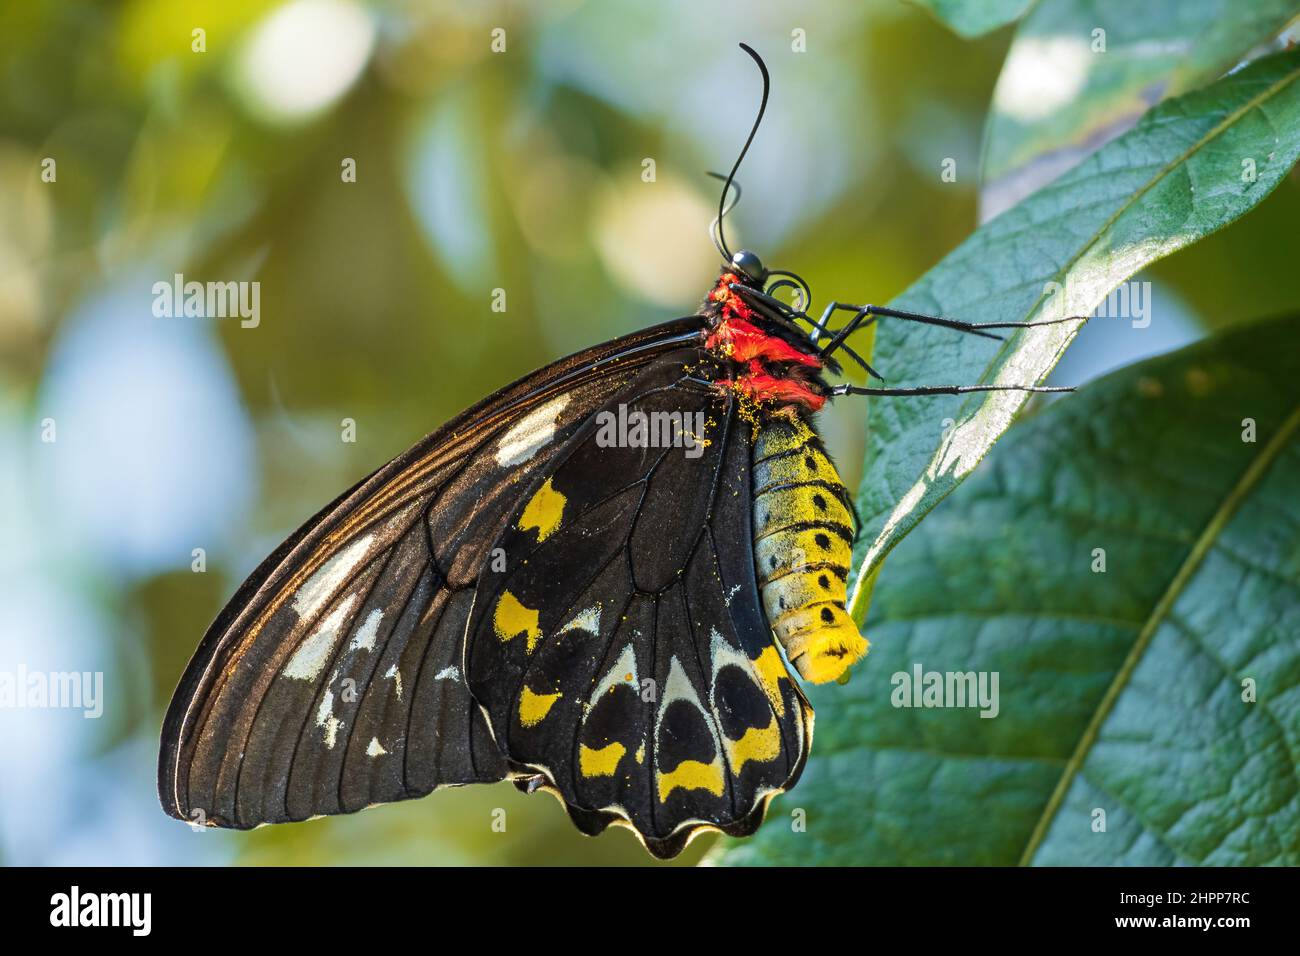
x=1177, y=176
x=1066, y=88
x=972, y=18
x=1120, y=691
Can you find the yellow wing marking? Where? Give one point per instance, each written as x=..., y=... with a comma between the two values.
x=534, y=707
x=600, y=761
x=512, y=619
x=759, y=744
x=544, y=511
x=692, y=775
x=770, y=668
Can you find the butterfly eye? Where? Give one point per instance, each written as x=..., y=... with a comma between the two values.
x=749, y=264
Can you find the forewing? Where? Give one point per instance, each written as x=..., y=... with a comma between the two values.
x=622, y=655
x=332, y=680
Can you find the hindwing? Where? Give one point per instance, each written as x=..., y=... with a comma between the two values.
x=622, y=656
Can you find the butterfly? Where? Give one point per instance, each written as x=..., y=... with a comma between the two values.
x=598, y=582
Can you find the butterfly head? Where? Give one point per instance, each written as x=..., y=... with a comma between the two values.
x=749, y=266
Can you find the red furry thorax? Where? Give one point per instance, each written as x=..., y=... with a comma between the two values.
x=768, y=361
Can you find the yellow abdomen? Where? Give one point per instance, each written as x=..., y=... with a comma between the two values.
x=803, y=537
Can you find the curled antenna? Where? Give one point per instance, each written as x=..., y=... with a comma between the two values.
x=720, y=239
x=791, y=280
x=717, y=220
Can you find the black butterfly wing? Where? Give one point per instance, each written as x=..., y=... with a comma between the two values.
x=332, y=680
x=622, y=656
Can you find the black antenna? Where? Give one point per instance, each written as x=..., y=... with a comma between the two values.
x=717, y=220
x=726, y=187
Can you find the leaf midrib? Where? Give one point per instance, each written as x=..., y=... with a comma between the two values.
x=1204, y=542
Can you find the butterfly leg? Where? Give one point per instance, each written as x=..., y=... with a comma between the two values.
x=819, y=327
x=943, y=389
x=862, y=312
x=864, y=315
x=973, y=328
x=861, y=320
x=867, y=314
x=753, y=297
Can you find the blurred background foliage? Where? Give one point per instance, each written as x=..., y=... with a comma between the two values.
x=519, y=170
